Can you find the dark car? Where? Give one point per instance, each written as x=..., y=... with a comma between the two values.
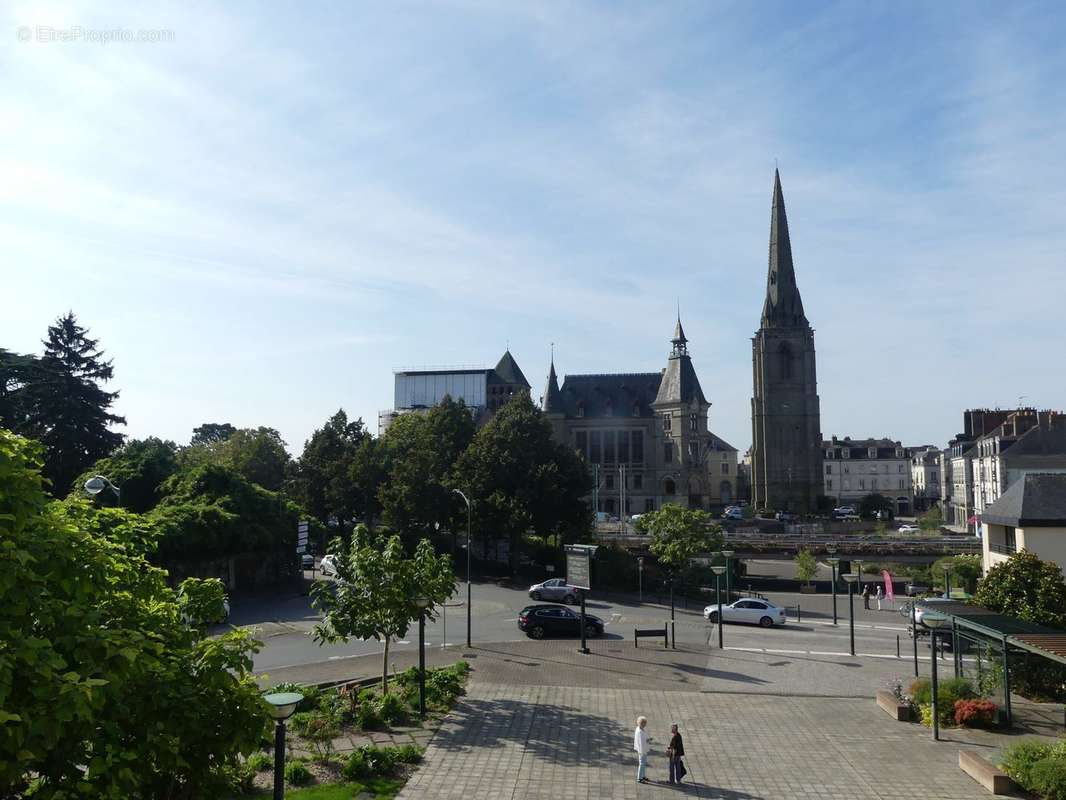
x=548, y=620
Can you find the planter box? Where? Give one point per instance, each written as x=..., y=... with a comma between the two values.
x=985, y=772
x=808, y=590
x=898, y=711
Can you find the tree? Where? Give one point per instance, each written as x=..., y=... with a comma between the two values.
x=368, y=473
x=519, y=479
x=212, y=433
x=1023, y=586
x=806, y=566
x=139, y=468
x=872, y=503
x=376, y=588
x=105, y=691
x=18, y=374
x=965, y=570
x=256, y=453
x=69, y=411
x=932, y=520
x=678, y=534
x=322, y=476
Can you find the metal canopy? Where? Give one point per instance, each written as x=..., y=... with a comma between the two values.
x=1037, y=639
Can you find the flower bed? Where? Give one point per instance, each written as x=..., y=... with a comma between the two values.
x=957, y=703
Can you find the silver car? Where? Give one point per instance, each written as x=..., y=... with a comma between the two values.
x=555, y=589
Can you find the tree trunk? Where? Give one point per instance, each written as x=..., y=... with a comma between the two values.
x=385, y=668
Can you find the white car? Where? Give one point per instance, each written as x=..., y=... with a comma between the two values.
x=909, y=529
x=328, y=565
x=555, y=589
x=751, y=611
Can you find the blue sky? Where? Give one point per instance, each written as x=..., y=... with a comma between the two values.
x=266, y=215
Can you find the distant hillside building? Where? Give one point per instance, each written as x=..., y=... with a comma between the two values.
x=644, y=435
x=855, y=468
x=483, y=390
x=786, y=452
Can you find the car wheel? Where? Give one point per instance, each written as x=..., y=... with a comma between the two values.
x=534, y=595
x=569, y=600
x=536, y=632
x=713, y=616
x=766, y=622
x=591, y=631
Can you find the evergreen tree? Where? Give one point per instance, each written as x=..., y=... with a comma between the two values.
x=70, y=411
x=17, y=375
x=322, y=478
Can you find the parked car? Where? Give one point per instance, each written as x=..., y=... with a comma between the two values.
x=554, y=589
x=545, y=620
x=308, y=561
x=328, y=565
x=751, y=611
x=733, y=513
x=785, y=516
x=927, y=604
x=909, y=529
x=915, y=589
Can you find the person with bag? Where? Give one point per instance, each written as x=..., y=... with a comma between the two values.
x=674, y=751
x=642, y=746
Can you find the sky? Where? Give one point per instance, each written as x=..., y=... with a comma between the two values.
x=263, y=209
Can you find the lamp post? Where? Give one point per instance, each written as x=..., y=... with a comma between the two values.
x=933, y=620
x=97, y=483
x=282, y=705
x=834, y=562
x=640, y=579
x=858, y=572
x=728, y=554
x=850, y=578
x=947, y=581
x=469, y=545
x=718, y=569
x=422, y=603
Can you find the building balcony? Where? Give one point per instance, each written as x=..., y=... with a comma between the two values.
x=1002, y=549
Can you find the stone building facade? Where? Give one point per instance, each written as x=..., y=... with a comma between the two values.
x=786, y=451
x=644, y=435
x=855, y=468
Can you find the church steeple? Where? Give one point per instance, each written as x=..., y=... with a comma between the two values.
x=679, y=341
x=783, y=307
x=553, y=398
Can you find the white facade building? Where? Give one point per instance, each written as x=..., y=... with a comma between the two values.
x=854, y=468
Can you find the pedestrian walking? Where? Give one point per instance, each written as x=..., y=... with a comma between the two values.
x=674, y=751
x=641, y=745
x=880, y=594
x=866, y=597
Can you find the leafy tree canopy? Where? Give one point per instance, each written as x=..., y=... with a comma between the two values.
x=678, y=534
x=872, y=503
x=105, y=692
x=1023, y=586
x=965, y=570
x=322, y=477
x=931, y=520
x=376, y=587
x=258, y=454
x=806, y=566
x=139, y=467
x=212, y=433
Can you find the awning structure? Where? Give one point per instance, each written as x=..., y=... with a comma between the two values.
x=1049, y=645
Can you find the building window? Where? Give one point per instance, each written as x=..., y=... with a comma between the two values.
x=608, y=481
x=638, y=481
x=873, y=484
x=862, y=483
x=847, y=469
x=666, y=422
x=580, y=410
x=693, y=423
x=828, y=453
x=901, y=468
x=725, y=469
x=932, y=475
x=596, y=447
x=828, y=483
x=828, y=469
x=581, y=444
x=871, y=452
x=636, y=409
x=608, y=447
x=899, y=452
x=845, y=452
x=638, y=447
x=623, y=447
x=847, y=484
x=649, y=504
x=669, y=488
x=901, y=483
x=668, y=453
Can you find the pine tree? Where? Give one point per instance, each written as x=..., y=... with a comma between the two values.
x=71, y=415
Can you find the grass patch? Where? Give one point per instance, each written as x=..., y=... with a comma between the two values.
x=381, y=788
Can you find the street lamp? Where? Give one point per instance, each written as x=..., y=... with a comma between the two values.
x=468, y=548
x=640, y=579
x=422, y=603
x=282, y=705
x=718, y=569
x=858, y=571
x=850, y=578
x=834, y=562
x=947, y=581
x=97, y=483
x=728, y=555
x=933, y=620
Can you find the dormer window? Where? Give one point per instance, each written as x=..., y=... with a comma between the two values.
x=666, y=422
x=581, y=409
x=693, y=423
x=899, y=452
x=828, y=453
x=636, y=409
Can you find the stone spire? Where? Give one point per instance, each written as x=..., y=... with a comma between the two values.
x=783, y=307
x=553, y=398
x=679, y=382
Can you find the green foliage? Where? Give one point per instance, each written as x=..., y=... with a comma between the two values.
x=965, y=571
x=319, y=731
x=375, y=762
x=518, y=479
x=201, y=602
x=139, y=468
x=310, y=694
x=925, y=713
x=1048, y=778
x=443, y=684
x=806, y=566
x=872, y=503
x=921, y=691
x=391, y=709
x=377, y=583
x=322, y=476
x=932, y=520
x=1038, y=678
x=615, y=567
x=1024, y=586
x=296, y=774
x=106, y=692
x=678, y=534
x=211, y=433
x=256, y=454
x=1020, y=758
x=260, y=762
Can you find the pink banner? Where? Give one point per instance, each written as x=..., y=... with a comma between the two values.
x=888, y=584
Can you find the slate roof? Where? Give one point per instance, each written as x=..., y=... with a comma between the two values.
x=507, y=371
x=1036, y=499
x=553, y=398
x=718, y=443
x=783, y=307
x=679, y=383
x=1040, y=441
x=617, y=392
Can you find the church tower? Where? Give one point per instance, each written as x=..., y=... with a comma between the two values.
x=786, y=454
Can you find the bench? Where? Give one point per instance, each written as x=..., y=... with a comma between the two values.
x=985, y=772
x=648, y=633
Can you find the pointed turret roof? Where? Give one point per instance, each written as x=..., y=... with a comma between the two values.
x=679, y=383
x=553, y=398
x=507, y=371
x=679, y=333
x=783, y=306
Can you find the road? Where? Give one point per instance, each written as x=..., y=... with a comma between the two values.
x=284, y=625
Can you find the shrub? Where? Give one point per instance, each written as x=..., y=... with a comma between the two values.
x=298, y=721
x=921, y=691
x=260, y=762
x=408, y=754
x=1048, y=778
x=320, y=731
x=296, y=774
x=392, y=708
x=366, y=711
x=372, y=762
x=975, y=713
x=926, y=711
x=1019, y=760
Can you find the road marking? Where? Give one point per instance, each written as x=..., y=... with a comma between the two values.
x=788, y=652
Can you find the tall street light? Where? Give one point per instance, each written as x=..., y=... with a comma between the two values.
x=933, y=620
x=947, y=581
x=851, y=577
x=728, y=554
x=834, y=562
x=718, y=569
x=469, y=544
x=97, y=483
x=282, y=705
x=422, y=603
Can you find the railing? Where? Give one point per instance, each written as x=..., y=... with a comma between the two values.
x=1003, y=549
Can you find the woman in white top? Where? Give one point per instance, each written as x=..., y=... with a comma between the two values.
x=640, y=744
